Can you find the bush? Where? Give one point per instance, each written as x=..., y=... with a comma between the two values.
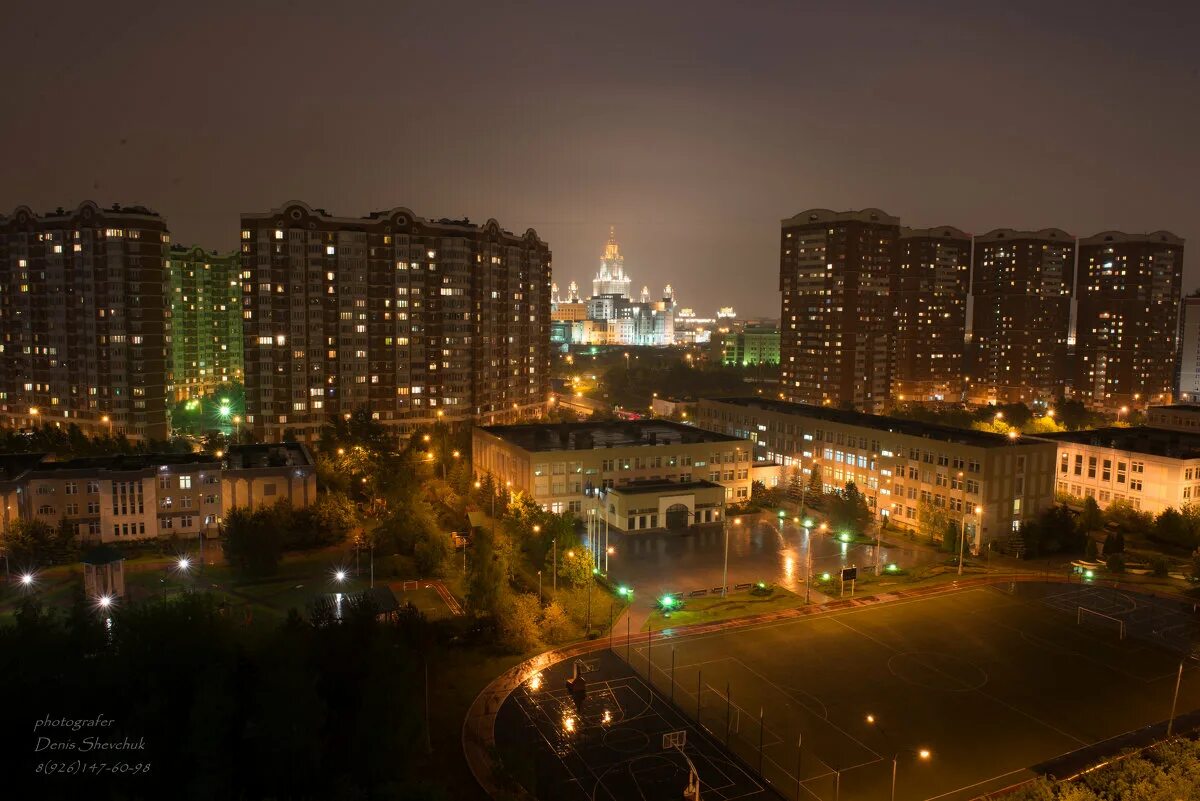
x=1116, y=563
x=517, y=623
x=556, y=626
x=1159, y=566
x=762, y=589
x=431, y=552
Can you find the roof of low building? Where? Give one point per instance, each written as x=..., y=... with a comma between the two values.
x=648, y=487
x=1136, y=439
x=894, y=425
x=607, y=434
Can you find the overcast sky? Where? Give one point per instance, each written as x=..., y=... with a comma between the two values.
x=693, y=127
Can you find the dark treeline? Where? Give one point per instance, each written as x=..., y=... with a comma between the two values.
x=225, y=709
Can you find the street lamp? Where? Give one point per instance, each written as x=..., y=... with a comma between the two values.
x=922, y=754
x=737, y=521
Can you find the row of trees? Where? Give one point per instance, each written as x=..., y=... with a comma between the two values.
x=1170, y=770
x=254, y=540
x=70, y=442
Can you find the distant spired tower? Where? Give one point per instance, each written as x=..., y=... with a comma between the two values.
x=645, y=298
x=611, y=279
x=573, y=293
x=554, y=297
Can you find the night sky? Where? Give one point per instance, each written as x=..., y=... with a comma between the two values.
x=693, y=127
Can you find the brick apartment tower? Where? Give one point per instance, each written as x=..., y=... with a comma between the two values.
x=931, y=275
x=205, y=321
x=83, y=320
x=1022, y=314
x=403, y=317
x=835, y=273
x=1126, y=325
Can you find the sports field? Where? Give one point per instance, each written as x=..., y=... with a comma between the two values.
x=991, y=681
x=623, y=742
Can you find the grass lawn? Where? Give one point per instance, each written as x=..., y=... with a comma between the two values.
x=714, y=608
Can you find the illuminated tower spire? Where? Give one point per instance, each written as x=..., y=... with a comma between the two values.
x=611, y=278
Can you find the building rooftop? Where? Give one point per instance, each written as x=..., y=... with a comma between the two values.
x=1182, y=407
x=894, y=425
x=285, y=454
x=126, y=462
x=587, y=436
x=12, y=465
x=1138, y=439
x=648, y=487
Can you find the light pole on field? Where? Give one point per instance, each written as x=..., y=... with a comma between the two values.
x=922, y=754
x=737, y=521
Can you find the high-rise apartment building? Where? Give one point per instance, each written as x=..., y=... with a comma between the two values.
x=931, y=276
x=835, y=273
x=1126, y=321
x=83, y=320
x=1187, y=372
x=1022, y=282
x=413, y=320
x=206, y=320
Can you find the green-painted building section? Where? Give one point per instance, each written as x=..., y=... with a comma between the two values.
x=205, y=333
x=751, y=346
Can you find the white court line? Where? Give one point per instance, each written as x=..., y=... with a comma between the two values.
x=1002, y=702
x=976, y=784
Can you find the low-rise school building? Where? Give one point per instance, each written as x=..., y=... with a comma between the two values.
x=1149, y=468
x=989, y=482
x=637, y=473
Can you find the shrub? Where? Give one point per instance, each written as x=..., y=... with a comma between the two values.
x=1159, y=566
x=517, y=623
x=556, y=626
x=1116, y=563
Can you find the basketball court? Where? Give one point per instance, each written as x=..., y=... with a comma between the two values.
x=623, y=741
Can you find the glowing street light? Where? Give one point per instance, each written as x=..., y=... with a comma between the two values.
x=340, y=576
x=27, y=579
x=183, y=564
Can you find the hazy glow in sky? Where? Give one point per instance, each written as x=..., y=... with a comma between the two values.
x=694, y=129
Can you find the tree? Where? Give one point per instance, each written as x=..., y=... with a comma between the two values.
x=1091, y=519
x=332, y=516
x=253, y=542
x=35, y=543
x=795, y=483
x=487, y=578
x=431, y=552
x=517, y=622
x=575, y=566
x=816, y=487
x=1174, y=528
x=848, y=509
x=934, y=521
x=556, y=625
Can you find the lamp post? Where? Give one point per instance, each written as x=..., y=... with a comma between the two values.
x=922, y=754
x=807, y=561
x=737, y=521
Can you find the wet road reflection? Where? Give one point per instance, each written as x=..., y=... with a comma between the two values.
x=758, y=551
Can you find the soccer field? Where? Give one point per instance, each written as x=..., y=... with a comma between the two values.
x=991, y=681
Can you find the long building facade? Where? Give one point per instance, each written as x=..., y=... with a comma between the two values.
x=1126, y=323
x=1022, y=285
x=205, y=321
x=587, y=468
x=414, y=320
x=930, y=281
x=910, y=472
x=835, y=324
x=124, y=498
x=83, y=320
